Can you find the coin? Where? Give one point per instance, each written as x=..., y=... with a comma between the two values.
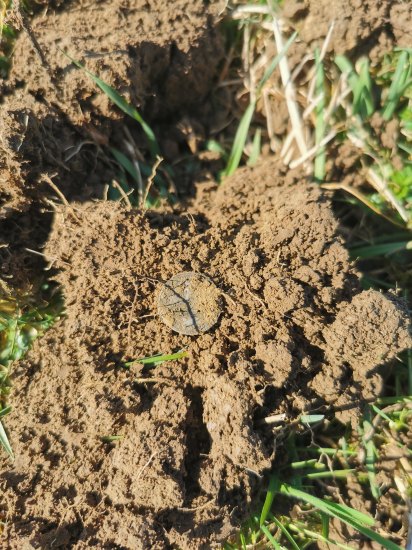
x=189, y=303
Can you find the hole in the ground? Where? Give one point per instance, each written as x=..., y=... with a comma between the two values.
x=198, y=443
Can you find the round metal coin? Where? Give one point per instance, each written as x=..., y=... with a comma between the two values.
x=189, y=303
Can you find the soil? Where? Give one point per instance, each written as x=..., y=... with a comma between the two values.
x=292, y=330
x=296, y=334
x=163, y=61
x=360, y=27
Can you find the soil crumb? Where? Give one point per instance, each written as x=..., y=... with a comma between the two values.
x=296, y=334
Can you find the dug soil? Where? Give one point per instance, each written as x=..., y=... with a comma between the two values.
x=167, y=454
x=296, y=334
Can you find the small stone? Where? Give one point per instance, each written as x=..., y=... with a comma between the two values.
x=189, y=303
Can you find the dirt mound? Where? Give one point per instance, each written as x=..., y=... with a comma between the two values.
x=53, y=117
x=295, y=334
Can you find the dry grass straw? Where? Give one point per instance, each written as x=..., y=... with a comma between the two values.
x=321, y=100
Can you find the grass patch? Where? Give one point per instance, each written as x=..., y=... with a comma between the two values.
x=244, y=125
x=24, y=317
x=294, y=516
x=331, y=103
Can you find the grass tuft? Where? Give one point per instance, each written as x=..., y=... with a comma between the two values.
x=244, y=125
x=135, y=192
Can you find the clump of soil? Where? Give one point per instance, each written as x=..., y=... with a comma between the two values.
x=360, y=27
x=296, y=334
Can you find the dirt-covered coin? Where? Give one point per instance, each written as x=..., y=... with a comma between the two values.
x=189, y=303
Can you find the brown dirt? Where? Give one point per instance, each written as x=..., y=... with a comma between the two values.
x=296, y=334
x=164, y=61
x=370, y=27
x=160, y=53
x=401, y=21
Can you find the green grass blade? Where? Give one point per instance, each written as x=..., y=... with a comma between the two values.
x=5, y=410
x=325, y=525
x=346, y=67
x=293, y=543
x=348, y=515
x=338, y=474
x=271, y=538
x=363, y=95
x=275, y=62
x=393, y=400
x=400, y=82
x=330, y=508
x=372, y=535
x=370, y=451
x=378, y=411
x=310, y=463
x=4, y=441
x=360, y=84
x=274, y=484
x=240, y=140
x=256, y=146
x=156, y=359
x=311, y=418
x=344, y=510
x=123, y=105
x=215, y=147
x=125, y=163
x=379, y=249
